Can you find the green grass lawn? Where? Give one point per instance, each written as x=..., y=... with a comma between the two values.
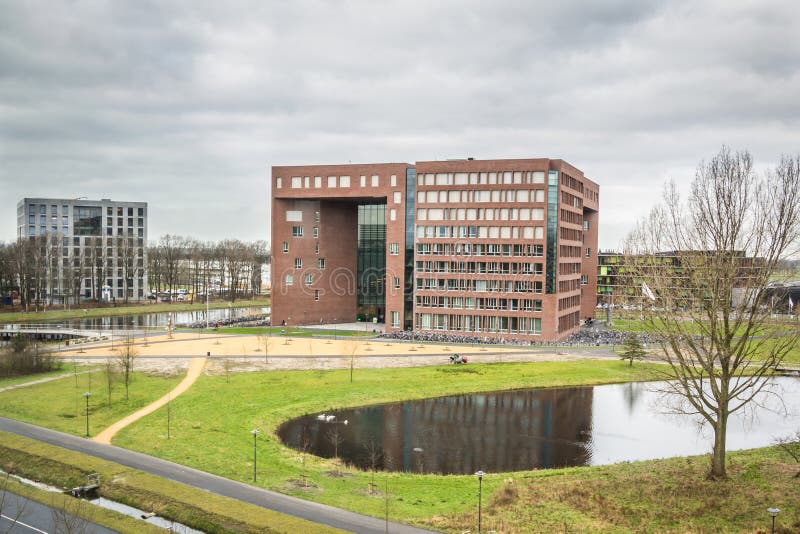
x=60, y=404
x=79, y=313
x=211, y=424
x=64, y=371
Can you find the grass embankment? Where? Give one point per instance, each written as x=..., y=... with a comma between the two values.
x=193, y=507
x=665, y=496
x=211, y=424
x=79, y=313
x=76, y=507
x=61, y=405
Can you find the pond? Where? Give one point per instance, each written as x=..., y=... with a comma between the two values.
x=531, y=429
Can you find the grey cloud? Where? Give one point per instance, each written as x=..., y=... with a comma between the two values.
x=186, y=104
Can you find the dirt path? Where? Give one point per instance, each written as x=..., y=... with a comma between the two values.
x=195, y=369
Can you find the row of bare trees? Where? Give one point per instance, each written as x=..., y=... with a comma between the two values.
x=50, y=269
x=230, y=267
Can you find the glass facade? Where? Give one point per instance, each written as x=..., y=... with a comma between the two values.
x=408, y=297
x=87, y=220
x=371, y=261
x=552, y=232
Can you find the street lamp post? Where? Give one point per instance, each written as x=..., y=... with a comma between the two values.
x=255, y=434
x=773, y=512
x=86, y=396
x=480, y=475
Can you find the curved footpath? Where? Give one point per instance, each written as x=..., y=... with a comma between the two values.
x=195, y=369
x=285, y=504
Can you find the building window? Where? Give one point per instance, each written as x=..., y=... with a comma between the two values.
x=315, y=232
x=331, y=181
x=298, y=263
x=395, y=319
x=316, y=216
x=375, y=180
x=536, y=326
x=297, y=231
x=297, y=182
x=289, y=279
x=317, y=182
x=397, y=197
x=321, y=263
x=397, y=282
x=363, y=181
x=394, y=180
x=584, y=279
x=588, y=252
x=394, y=249
x=344, y=181
x=278, y=183
x=316, y=294
x=316, y=248
x=309, y=279
x=585, y=224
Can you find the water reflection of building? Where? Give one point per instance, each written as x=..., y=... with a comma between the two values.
x=505, y=431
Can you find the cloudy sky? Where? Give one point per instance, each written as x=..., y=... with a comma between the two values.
x=187, y=104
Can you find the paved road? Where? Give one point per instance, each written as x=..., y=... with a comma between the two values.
x=23, y=516
x=318, y=513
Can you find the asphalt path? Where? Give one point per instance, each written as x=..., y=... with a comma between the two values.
x=24, y=516
x=285, y=504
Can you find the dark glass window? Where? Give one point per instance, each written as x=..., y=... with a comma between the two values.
x=87, y=220
x=371, y=260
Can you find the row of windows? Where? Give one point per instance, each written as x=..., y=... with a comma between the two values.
x=120, y=220
x=332, y=182
x=479, y=286
x=471, y=196
x=481, y=178
x=479, y=267
x=298, y=263
x=470, y=303
x=480, y=214
x=479, y=249
x=480, y=323
x=481, y=232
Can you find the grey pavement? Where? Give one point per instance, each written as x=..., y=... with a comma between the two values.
x=318, y=513
x=19, y=515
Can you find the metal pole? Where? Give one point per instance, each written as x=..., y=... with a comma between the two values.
x=479, y=474
x=86, y=396
x=255, y=433
x=480, y=491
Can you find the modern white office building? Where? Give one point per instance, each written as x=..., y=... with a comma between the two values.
x=93, y=249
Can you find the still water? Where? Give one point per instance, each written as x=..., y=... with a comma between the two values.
x=159, y=319
x=532, y=429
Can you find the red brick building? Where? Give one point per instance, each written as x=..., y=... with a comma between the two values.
x=494, y=248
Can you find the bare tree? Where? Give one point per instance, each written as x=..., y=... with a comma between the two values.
x=374, y=453
x=791, y=446
x=126, y=360
x=727, y=241
x=350, y=347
